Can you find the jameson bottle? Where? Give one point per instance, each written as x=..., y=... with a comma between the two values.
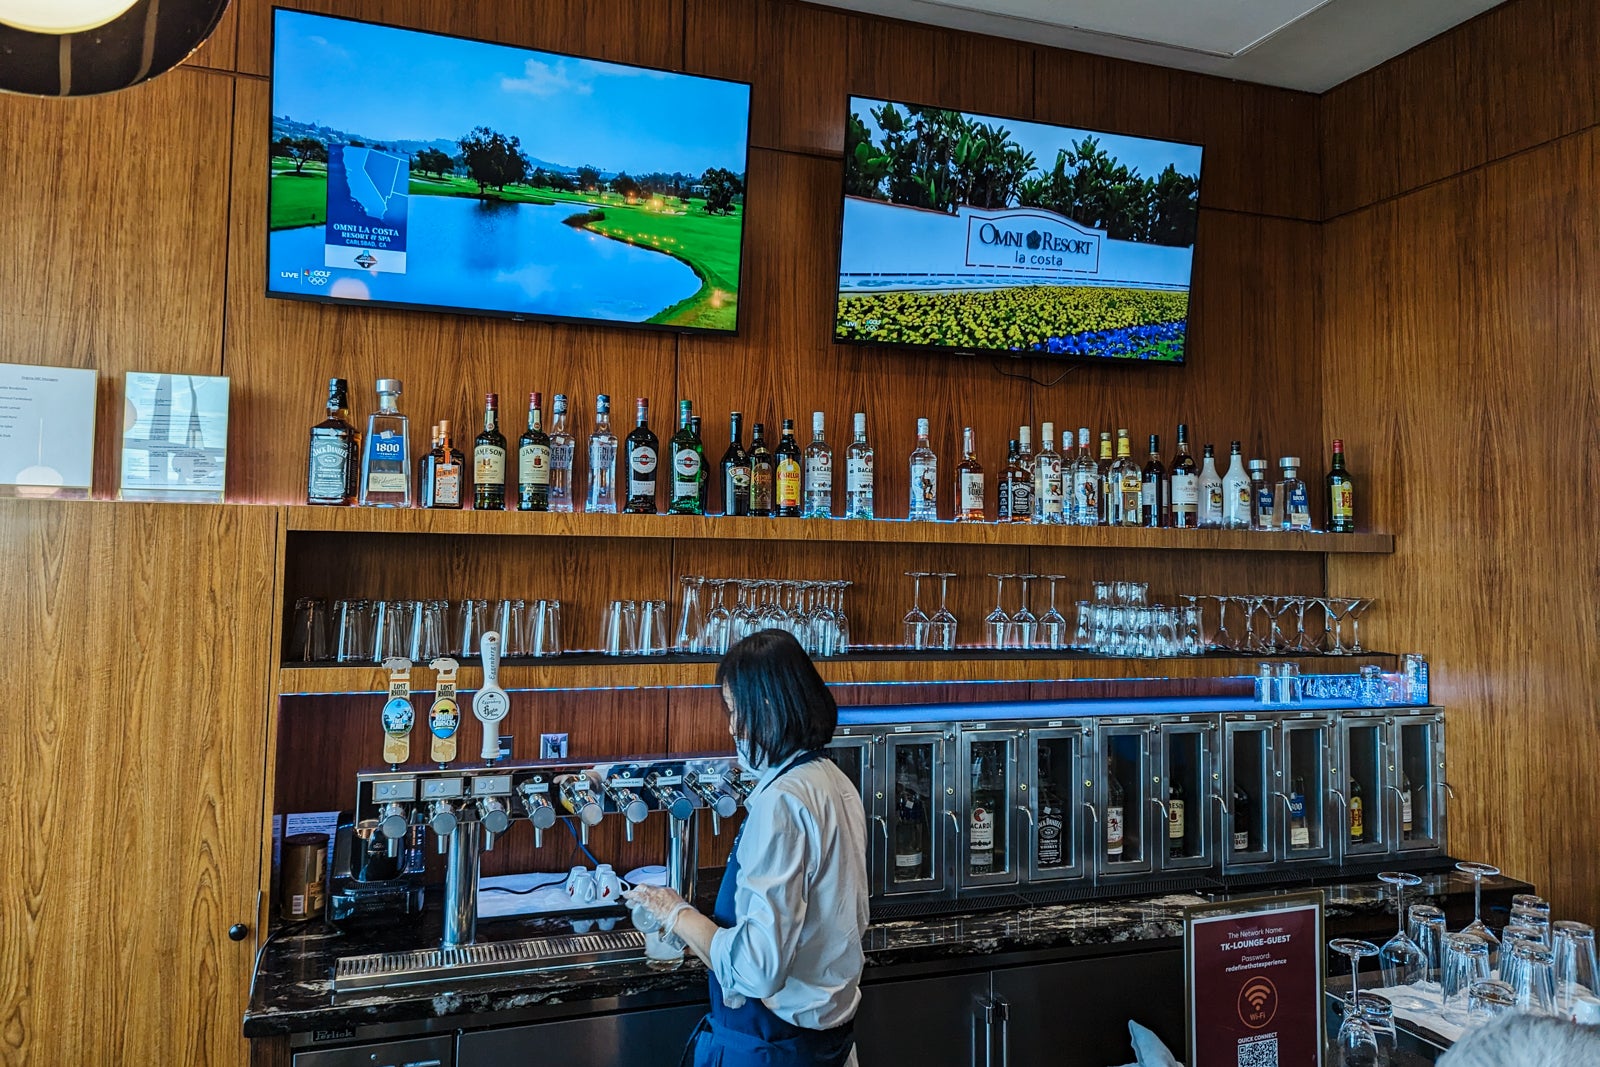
x=533, y=460
x=969, y=481
x=788, y=474
x=643, y=451
x=335, y=465
x=818, y=501
x=735, y=470
x=924, y=478
x=858, y=482
x=761, y=472
x=1341, y=494
x=386, y=459
x=1153, y=488
x=1184, y=486
x=563, y=449
x=489, y=460
x=688, y=464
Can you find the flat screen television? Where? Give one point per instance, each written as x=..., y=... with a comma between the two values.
x=416, y=170
x=985, y=235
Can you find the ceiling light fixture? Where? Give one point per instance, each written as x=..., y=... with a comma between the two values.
x=61, y=16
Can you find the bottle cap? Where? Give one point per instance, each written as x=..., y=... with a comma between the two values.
x=922, y=427
x=816, y=424
x=559, y=405
x=861, y=422
x=1047, y=430
x=1024, y=435
x=1258, y=465
x=1210, y=452
x=788, y=425
x=602, y=402
x=685, y=407
x=535, y=400
x=491, y=400
x=1234, y=446
x=1338, y=444
x=389, y=385
x=1155, y=442
x=444, y=429
x=1289, y=461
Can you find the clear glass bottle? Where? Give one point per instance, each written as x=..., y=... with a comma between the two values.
x=1211, y=496
x=1341, y=494
x=1130, y=483
x=1110, y=483
x=910, y=820
x=788, y=473
x=1263, y=498
x=762, y=490
x=602, y=497
x=1047, y=479
x=969, y=480
x=924, y=478
x=1153, y=488
x=858, y=480
x=533, y=460
x=563, y=449
x=1177, y=823
x=1025, y=456
x=688, y=464
x=1184, y=490
x=1299, y=830
x=1296, y=506
x=1236, y=492
x=335, y=467
x=1242, y=823
x=817, y=501
x=705, y=473
x=983, y=820
x=1116, y=811
x=735, y=469
x=1083, y=507
x=643, y=453
x=386, y=461
x=489, y=460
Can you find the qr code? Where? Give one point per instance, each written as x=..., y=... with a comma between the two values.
x=1263, y=1053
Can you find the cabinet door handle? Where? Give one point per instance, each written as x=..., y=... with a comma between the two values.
x=1288, y=805
x=1165, y=814
x=1093, y=814
x=1003, y=1010
x=883, y=824
x=955, y=820
x=1032, y=822
x=1343, y=802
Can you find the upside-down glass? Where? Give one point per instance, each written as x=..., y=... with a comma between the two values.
x=1426, y=927
x=997, y=624
x=352, y=623
x=1024, y=624
x=1575, y=962
x=1488, y=999
x=653, y=626
x=1356, y=1044
x=1402, y=960
x=915, y=624
x=511, y=622
x=428, y=639
x=942, y=626
x=619, y=628
x=391, y=630
x=1466, y=960
x=309, y=642
x=690, y=635
x=1533, y=977
x=714, y=639
x=1479, y=872
x=472, y=621
x=546, y=627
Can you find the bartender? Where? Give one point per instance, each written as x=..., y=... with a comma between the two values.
x=783, y=943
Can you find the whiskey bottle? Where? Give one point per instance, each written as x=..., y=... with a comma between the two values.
x=924, y=478
x=1263, y=498
x=1025, y=457
x=858, y=481
x=1184, y=488
x=489, y=460
x=1296, y=502
x=969, y=481
x=1241, y=819
x=910, y=826
x=735, y=470
x=1341, y=494
x=705, y=474
x=1211, y=498
x=1084, y=505
x=1177, y=826
x=563, y=452
x=1236, y=492
x=688, y=464
x=643, y=453
x=386, y=460
x=533, y=460
x=1052, y=816
x=1016, y=488
x=818, y=499
x=335, y=465
x=761, y=472
x=788, y=474
x=1299, y=831
x=1047, y=479
x=1358, y=812
x=602, y=496
x=1153, y=488
x=1115, y=812
x=1110, y=483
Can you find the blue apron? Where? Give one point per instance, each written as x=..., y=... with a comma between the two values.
x=751, y=1035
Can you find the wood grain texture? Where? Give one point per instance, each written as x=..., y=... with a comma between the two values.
x=220, y=50
x=133, y=747
x=101, y=266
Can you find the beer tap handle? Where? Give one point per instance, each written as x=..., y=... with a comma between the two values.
x=444, y=717
x=398, y=715
x=490, y=703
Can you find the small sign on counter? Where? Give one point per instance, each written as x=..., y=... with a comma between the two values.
x=1253, y=977
x=174, y=437
x=46, y=430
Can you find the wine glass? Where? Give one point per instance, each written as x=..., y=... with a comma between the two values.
x=746, y=619
x=1024, y=624
x=1222, y=640
x=1333, y=625
x=1356, y=1044
x=1052, y=624
x=840, y=619
x=1401, y=958
x=943, y=623
x=1477, y=927
x=915, y=624
x=715, y=636
x=997, y=624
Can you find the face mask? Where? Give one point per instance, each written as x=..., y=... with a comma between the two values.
x=749, y=758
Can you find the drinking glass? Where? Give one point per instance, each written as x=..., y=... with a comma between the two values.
x=1103, y=592
x=510, y=622
x=1531, y=922
x=1427, y=931
x=1378, y=1014
x=997, y=624
x=690, y=636
x=915, y=623
x=1466, y=960
x=1531, y=900
x=772, y=614
x=942, y=627
x=1488, y=999
x=1052, y=624
x=1221, y=639
x=1083, y=637
x=1353, y=611
x=546, y=627
x=1191, y=636
x=1575, y=961
x=472, y=620
x=796, y=620
x=746, y=619
x=1402, y=960
x=653, y=627
x=840, y=619
x=619, y=629
x=308, y=642
x=718, y=620
x=1356, y=1043
x=1533, y=977
x=428, y=630
x=1137, y=594
x=1477, y=926
x=352, y=621
x=1122, y=593
x=391, y=630
x=1024, y=624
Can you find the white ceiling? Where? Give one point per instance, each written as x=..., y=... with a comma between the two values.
x=1299, y=44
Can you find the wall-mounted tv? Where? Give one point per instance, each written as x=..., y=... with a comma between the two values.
x=416, y=170
x=982, y=235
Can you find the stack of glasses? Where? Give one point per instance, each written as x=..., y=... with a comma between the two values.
x=371, y=631
x=811, y=610
x=1121, y=621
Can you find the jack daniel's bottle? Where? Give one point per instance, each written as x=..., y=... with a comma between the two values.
x=335, y=451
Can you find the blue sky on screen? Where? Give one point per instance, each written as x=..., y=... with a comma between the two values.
x=1148, y=157
x=395, y=84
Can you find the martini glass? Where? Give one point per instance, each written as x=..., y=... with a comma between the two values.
x=1479, y=871
x=1401, y=958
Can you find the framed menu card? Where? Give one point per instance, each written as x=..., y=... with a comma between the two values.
x=174, y=437
x=46, y=430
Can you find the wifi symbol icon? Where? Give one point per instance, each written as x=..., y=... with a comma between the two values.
x=1258, y=1003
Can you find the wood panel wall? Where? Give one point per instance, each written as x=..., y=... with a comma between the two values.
x=1459, y=329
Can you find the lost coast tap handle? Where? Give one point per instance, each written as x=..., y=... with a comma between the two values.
x=490, y=703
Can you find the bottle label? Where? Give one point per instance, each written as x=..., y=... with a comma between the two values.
x=924, y=486
x=1050, y=838
x=858, y=474
x=1147, y=495
x=386, y=455
x=1213, y=502
x=1299, y=833
x=330, y=466
x=1185, y=491
x=1405, y=810
x=761, y=487
x=533, y=464
x=1299, y=509
x=1241, y=502
x=642, y=471
x=686, y=473
x=1047, y=486
x=1175, y=825
x=1114, y=832
x=1344, y=501
x=1021, y=499
x=971, y=491
x=1358, y=825
x=447, y=483
x=1131, y=492
x=740, y=476
x=819, y=472
x=981, y=836
x=788, y=483
x=1241, y=840
x=1265, y=507
x=1088, y=494
x=561, y=456
x=489, y=465
x=908, y=860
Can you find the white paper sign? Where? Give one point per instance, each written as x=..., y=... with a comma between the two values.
x=46, y=428
x=174, y=436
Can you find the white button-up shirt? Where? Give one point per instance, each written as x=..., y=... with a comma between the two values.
x=800, y=898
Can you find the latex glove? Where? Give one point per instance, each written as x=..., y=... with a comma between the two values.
x=654, y=907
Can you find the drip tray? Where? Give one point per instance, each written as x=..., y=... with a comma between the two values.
x=385, y=970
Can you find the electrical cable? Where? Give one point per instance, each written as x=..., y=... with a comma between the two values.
x=1030, y=378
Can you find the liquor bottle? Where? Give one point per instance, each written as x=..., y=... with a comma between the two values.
x=1211, y=501
x=1341, y=494
x=1129, y=483
x=1085, y=503
x=688, y=464
x=788, y=474
x=982, y=819
x=761, y=472
x=924, y=478
x=533, y=460
x=969, y=481
x=1236, y=493
x=858, y=483
x=386, y=461
x=1052, y=815
x=735, y=470
x=335, y=465
x=1016, y=487
x=1153, y=488
x=425, y=467
x=1358, y=813
x=1299, y=832
x=1296, y=506
x=705, y=475
x=1405, y=806
x=1047, y=479
x=1241, y=819
x=1263, y=498
x=1003, y=489
x=1114, y=812
x=489, y=460
x=444, y=470
x=1109, y=486
x=1183, y=489
x=910, y=828
x=817, y=502
x=602, y=460
x=563, y=451
x=642, y=449
x=1177, y=827
x=1025, y=455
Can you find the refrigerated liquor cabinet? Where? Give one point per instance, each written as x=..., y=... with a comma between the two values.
x=1060, y=800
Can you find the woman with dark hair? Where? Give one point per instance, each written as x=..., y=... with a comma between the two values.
x=783, y=943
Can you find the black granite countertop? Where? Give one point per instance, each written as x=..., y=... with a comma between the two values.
x=292, y=990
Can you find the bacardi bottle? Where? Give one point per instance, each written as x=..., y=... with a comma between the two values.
x=1047, y=479
x=818, y=499
x=1236, y=495
x=688, y=464
x=762, y=489
x=858, y=480
x=924, y=478
x=533, y=460
x=1341, y=494
x=643, y=452
x=788, y=474
x=602, y=461
x=1085, y=502
x=1184, y=488
x=969, y=481
x=735, y=470
x=1211, y=492
x=983, y=819
x=563, y=451
x=335, y=466
x=489, y=460
x=386, y=460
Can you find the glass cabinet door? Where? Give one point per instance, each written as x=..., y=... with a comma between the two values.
x=918, y=804
x=1052, y=759
x=1249, y=779
x=853, y=756
x=1305, y=756
x=1121, y=779
x=992, y=801
x=1416, y=784
x=1360, y=781
x=1187, y=782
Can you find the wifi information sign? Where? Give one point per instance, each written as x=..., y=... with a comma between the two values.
x=1253, y=971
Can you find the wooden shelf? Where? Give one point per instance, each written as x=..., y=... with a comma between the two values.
x=880, y=531
x=583, y=671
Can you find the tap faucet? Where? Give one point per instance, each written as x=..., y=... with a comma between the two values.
x=442, y=821
x=709, y=789
x=663, y=786
x=628, y=803
x=577, y=796
x=394, y=819
x=495, y=818
x=541, y=813
x=739, y=786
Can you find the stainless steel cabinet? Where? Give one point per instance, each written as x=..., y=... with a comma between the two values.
x=650, y=1038
x=930, y=1022
x=1127, y=829
x=1075, y=1013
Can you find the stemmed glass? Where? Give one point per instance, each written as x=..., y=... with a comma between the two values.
x=1333, y=625
x=916, y=621
x=773, y=617
x=1302, y=644
x=997, y=624
x=942, y=626
x=714, y=638
x=1356, y=1043
x=1024, y=624
x=1477, y=927
x=1052, y=624
x=690, y=635
x=1222, y=640
x=841, y=621
x=1353, y=610
x=1401, y=958
x=746, y=619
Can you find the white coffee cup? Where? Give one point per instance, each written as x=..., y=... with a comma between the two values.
x=582, y=926
x=608, y=887
x=580, y=886
x=662, y=950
